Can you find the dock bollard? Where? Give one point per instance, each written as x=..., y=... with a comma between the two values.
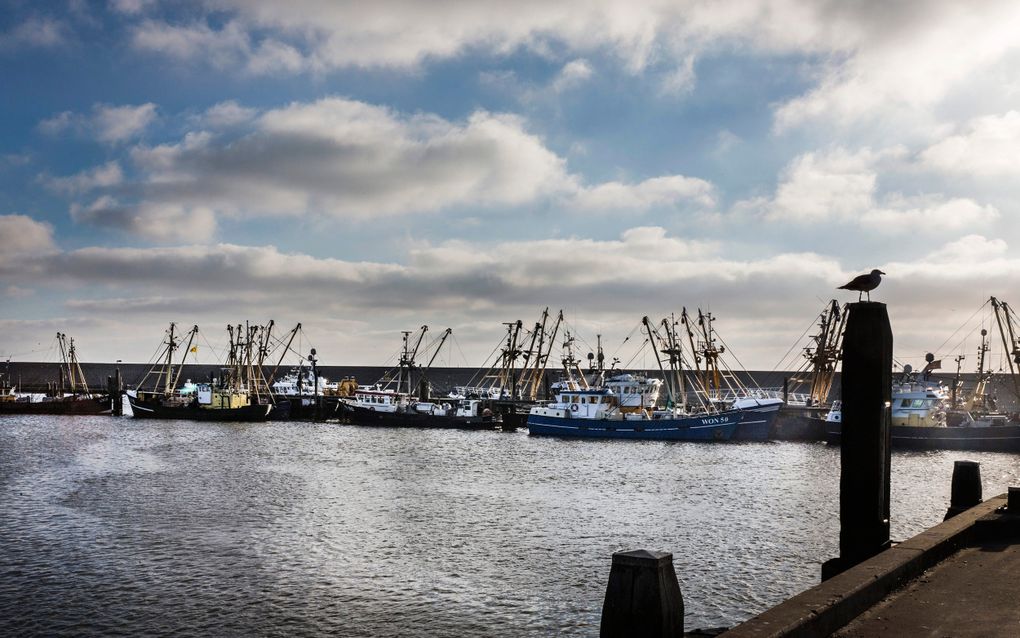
x=643, y=597
x=966, y=490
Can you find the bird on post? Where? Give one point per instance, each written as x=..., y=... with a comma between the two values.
x=864, y=283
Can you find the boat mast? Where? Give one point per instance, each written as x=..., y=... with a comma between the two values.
x=187, y=349
x=572, y=366
x=711, y=381
x=407, y=356
x=596, y=362
x=545, y=357
x=168, y=369
x=65, y=361
x=1004, y=318
x=534, y=378
x=286, y=349
x=531, y=358
x=650, y=331
x=685, y=319
x=510, y=354
x=75, y=367
x=675, y=358
x=826, y=352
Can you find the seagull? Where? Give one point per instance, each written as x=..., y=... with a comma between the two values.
x=864, y=283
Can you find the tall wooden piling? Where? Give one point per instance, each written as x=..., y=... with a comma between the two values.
x=643, y=598
x=865, y=457
x=117, y=396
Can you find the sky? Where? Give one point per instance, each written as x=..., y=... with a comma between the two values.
x=367, y=168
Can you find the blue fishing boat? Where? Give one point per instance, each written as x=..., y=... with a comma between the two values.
x=595, y=413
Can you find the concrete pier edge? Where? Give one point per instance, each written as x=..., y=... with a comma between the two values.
x=825, y=608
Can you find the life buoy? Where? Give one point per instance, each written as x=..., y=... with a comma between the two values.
x=573, y=407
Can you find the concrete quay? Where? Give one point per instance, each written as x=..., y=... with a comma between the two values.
x=958, y=578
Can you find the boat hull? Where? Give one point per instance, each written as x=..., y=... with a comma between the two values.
x=714, y=427
x=800, y=423
x=757, y=423
x=357, y=415
x=147, y=409
x=92, y=406
x=1004, y=438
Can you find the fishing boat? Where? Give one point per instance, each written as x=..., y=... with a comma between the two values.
x=220, y=399
x=921, y=420
x=70, y=396
x=807, y=391
x=927, y=415
x=511, y=383
x=596, y=413
x=390, y=402
x=699, y=381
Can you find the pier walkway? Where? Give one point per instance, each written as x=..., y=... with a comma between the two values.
x=960, y=578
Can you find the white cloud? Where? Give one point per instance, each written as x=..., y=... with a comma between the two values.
x=163, y=222
x=843, y=187
x=230, y=47
x=103, y=176
x=106, y=123
x=225, y=115
x=131, y=6
x=58, y=123
x=906, y=60
x=23, y=239
x=658, y=191
x=34, y=32
x=120, y=123
x=608, y=284
x=571, y=75
x=348, y=159
x=400, y=33
x=989, y=147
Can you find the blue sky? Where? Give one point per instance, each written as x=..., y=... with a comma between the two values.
x=365, y=169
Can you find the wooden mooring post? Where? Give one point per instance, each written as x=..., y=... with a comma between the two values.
x=643, y=598
x=115, y=390
x=966, y=489
x=865, y=456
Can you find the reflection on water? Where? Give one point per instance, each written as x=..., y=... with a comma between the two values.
x=111, y=525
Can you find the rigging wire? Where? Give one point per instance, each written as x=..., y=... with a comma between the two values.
x=963, y=325
x=795, y=344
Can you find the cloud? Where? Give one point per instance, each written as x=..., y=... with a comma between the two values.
x=988, y=147
x=571, y=75
x=120, y=123
x=35, y=32
x=226, y=114
x=228, y=47
x=658, y=191
x=402, y=34
x=106, y=123
x=103, y=176
x=131, y=6
x=900, y=61
x=606, y=284
x=840, y=186
x=24, y=240
x=155, y=221
x=342, y=158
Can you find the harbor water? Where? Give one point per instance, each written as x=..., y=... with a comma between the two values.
x=297, y=529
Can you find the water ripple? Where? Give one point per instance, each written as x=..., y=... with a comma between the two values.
x=112, y=526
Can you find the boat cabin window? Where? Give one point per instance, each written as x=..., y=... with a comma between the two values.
x=917, y=403
x=905, y=403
